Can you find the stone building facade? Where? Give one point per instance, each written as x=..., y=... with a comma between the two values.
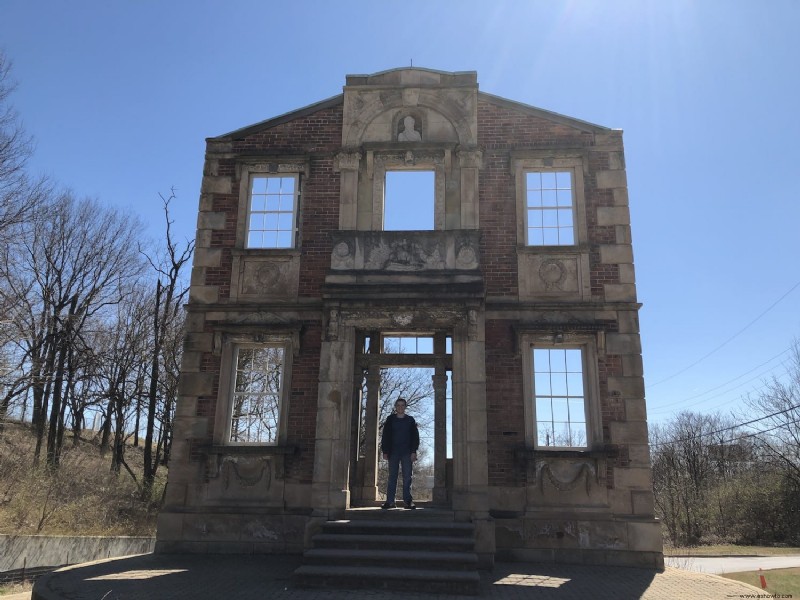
x=524, y=287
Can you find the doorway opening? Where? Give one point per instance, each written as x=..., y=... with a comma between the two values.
x=416, y=367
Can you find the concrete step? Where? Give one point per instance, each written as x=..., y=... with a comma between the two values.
x=406, y=559
x=389, y=578
x=400, y=527
x=396, y=542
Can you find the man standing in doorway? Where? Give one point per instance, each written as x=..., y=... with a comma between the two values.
x=399, y=444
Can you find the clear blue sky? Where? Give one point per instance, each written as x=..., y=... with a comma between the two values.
x=121, y=95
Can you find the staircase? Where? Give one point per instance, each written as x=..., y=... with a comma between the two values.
x=398, y=550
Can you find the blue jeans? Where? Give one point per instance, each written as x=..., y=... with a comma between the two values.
x=394, y=465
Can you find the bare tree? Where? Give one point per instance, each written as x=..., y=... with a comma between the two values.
x=18, y=193
x=168, y=304
x=67, y=269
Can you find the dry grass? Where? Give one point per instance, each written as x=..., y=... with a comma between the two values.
x=781, y=582
x=731, y=550
x=82, y=497
x=8, y=589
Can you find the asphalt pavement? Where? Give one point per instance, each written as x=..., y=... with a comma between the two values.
x=237, y=577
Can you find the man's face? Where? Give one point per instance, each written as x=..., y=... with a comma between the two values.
x=400, y=408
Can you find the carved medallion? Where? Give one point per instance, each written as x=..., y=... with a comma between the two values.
x=552, y=274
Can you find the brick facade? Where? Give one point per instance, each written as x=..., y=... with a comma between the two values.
x=318, y=297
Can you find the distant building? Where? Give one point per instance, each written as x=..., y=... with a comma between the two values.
x=522, y=292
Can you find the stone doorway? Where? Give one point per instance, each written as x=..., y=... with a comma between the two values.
x=417, y=366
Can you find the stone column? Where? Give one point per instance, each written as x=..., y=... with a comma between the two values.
x=347, y=164
x=330, y=495
x=440, y=436
x=470, y=162
x=470, y=449
x=369, y=489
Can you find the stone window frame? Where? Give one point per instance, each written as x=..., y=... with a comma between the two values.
x=587, y=343
x=246, y=170
x=230, y=343
x=379, y=162
x=549, y=162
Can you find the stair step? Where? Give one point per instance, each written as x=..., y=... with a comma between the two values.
x=389, y=527
x=455, y=582
x=405, y=559
x=367, y=541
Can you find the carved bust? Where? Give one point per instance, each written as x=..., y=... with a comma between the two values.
x=409, y=133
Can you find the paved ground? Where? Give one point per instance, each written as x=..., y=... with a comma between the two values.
x=731, y=564
x=230, y=577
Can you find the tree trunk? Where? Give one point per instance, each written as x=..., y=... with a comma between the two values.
x=149, y=472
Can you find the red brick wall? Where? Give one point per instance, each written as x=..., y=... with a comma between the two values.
x=504, y=400
x=318, y=135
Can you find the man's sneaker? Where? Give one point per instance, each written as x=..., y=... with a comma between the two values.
x=411, y=505
x=386, y=505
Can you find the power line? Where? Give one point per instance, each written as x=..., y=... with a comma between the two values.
x=730, y=339
x=666, y=407
x=730, y=427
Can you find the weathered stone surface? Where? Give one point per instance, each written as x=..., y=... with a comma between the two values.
x=613, y=215
x=611, y=179
x=611, y=254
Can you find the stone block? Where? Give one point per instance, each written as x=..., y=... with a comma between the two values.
x=207, y=257
x=635, y=408
x=206, y=203
x=169, y=526
x=203, y=239
x=620, y=196
x=622, y=234
x=620, y=292
x=626, y=387
x=190, y=362
x=212, y=528
x=198, y=342
x=643, y=503
x=620, y=501
x=628, y=321
x=623, y=343
x=645, y=537
x=632, y=365
x=175, y=494
x=197, y=276
x=509, y=533
x=186, y=406
x=633, y=432
x=215, y=185
x=612, y=254
x=639, y=455
x=211, y=220
x=627, y=273
x=616, y=161
x=197, y=384
x=204, y=294
x=611, y=179
x=613, y=215
x=507, y=499
x=477, y=425
x=632, y=479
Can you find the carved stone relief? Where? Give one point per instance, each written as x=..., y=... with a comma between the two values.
x=405, y=254
x=409, y=130
x=268, y=277
x=550, y=275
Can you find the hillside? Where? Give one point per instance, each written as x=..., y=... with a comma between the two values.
x=81, y=497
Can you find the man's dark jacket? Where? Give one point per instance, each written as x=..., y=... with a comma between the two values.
x=386, y=439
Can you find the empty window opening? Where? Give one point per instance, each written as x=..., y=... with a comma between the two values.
x=407, y=345
x=408, y=201
x=256, y=407
x=273, y=209
x=550, y=212
x=559, y=396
